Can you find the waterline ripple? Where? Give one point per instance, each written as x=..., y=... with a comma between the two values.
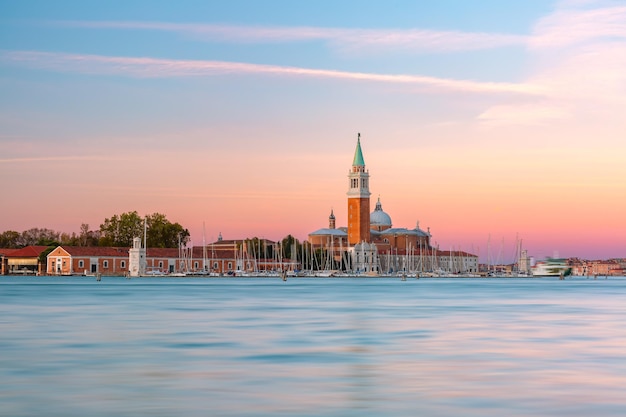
x=312, y=347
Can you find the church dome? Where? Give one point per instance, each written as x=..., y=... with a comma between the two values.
x=379, y=218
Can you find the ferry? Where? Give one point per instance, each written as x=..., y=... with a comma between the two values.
x=551, y=267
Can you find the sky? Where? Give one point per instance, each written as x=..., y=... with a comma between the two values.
x=488, y=122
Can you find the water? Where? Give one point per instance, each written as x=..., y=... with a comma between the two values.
x=312, y=347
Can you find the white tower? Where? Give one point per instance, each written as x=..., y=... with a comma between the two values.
x=137, y=259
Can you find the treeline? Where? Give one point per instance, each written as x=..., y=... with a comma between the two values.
x=118, y=230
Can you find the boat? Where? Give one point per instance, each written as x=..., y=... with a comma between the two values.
x=551, y=267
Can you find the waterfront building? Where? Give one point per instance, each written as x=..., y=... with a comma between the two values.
x=219, y=258
x=358, y=199
x=608, y=267
x=24, y=261
x=4, y=260
x=87, y=260
x=330, y=236
x=373, y=242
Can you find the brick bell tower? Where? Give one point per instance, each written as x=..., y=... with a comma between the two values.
x=358, y=199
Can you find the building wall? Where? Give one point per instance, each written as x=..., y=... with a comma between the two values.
x=358, y=220
x=164, y=265
x=328, y=241
x=16, y=265
x=59, y=262
x=402, y=242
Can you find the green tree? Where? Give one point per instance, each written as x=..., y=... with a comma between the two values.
x=120, y=230
x=160, y=232
x=10, y=239
x=43, y=256
x=290, y=247
x=258, y=248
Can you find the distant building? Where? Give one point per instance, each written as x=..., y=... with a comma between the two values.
x=219, y=258
x=358, y=199
x=25, y=261
x=396, y=249
x=87, y=260
x=4, y=260
x=610, y=267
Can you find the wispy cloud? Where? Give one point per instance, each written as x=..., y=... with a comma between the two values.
x=571, y=26
x=523, y=114
x=574, y=21
x=415, y=40
x=160, y=68
x=579, y=55
x=73, y=158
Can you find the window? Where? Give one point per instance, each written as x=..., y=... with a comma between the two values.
x=123, y=264
x=105, y=264
x=230, y=265
x=215, y=265
x=81, y=264
x=160, y=264
x=195, y=265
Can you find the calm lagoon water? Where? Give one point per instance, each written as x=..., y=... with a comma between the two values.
x=312, y=347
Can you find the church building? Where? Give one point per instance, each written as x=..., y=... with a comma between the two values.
x=375, y=245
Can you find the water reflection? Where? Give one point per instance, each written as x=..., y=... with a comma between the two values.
x=318, y=347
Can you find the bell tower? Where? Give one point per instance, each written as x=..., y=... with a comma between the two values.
x=358, y=199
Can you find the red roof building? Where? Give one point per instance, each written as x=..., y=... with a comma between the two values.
x=23, y=261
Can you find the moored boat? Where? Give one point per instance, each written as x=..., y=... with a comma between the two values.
x=551, y=267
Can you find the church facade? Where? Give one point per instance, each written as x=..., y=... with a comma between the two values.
x=374, y=244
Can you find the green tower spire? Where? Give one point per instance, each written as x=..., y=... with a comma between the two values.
x=358, y=154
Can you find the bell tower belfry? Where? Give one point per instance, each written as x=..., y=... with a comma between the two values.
x=358, y=199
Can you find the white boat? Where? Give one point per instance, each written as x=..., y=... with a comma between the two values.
x=551, y=267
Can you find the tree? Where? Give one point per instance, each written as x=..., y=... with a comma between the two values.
x=258, y=248
x=37, y=236
x=291, y=247
x=88, y=237
x=120, y=230
x=69, y=240
x=10, y=239
x=161, y=233
x=164, y=234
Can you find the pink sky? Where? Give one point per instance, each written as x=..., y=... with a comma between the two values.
x=478, y=134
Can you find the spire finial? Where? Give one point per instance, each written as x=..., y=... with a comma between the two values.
x=379, y=206
x=358, y=154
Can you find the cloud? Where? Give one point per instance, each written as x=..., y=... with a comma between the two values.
x=414, y=40
x=578, y=56
x=572, y=26
x=60, y=159
x=161, y=68
x=523, y=114
x=573, y=22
